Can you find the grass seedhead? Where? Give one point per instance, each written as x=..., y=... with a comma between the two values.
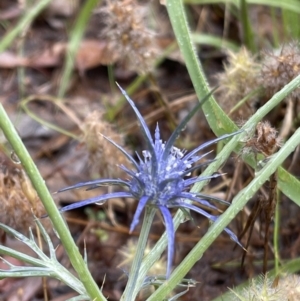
x=280, y=67
x=128, y=34
x=237, y=81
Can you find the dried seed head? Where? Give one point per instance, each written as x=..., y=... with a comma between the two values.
x=265, y=140
x=280, y=67
x=102, y=154
x=238, y=80
x=19, y=200
x=264, y=289
x=128, y=253
x=290, y=284
x=128, y=35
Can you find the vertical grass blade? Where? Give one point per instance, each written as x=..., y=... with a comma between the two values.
x=50, y=206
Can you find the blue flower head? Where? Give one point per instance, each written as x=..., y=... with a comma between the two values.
x=159, y=178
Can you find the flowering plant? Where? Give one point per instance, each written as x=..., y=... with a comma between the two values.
x=159, y=178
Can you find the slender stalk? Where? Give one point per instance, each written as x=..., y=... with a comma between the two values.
x=248, y=36
x=132, y=289
x=156, y=252
x=46, y=198
x=74, y=43
x=30, y=15
x=276, y=233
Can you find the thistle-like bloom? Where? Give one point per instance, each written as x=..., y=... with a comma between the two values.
x=159, y=179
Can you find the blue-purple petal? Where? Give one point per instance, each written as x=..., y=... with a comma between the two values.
x=210, y=197
x=182, y=125
x=95, y=184
x=98, y=199
x=211, y=142
x=193, y=208
x=121, y=149
x=171, y=236
x=194, y=180
x=144, y=128
x=201, y=165
x=212, y=218
x=190, y=196
x=136, y=218
x=132, y=174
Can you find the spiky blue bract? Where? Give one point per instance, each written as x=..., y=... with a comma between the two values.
x=159, y=179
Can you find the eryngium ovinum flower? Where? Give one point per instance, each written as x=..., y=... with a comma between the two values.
x=159, y=179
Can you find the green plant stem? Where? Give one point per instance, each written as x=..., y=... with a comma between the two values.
x=24, y=105
x=131, y=288
x=155, y=253
x=76, y=37
x=247, y=30
x=237, y=205
x=30, y=15
x=46, y=198
x=276, y=232
x=275, y=28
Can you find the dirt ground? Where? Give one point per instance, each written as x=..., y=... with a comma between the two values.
x=71, y=149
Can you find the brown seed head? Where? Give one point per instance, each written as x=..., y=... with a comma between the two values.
x=238, y=80
x=279, y=68
x=19, y=201
x=128, y=35
x=104, y=156
x=265, y=140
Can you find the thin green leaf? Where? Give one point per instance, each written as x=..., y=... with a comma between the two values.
x=75, y=257
x=292, y=5
x=20, y=272
x=75, y=39
x=211, y=40
x=28, y=17
x=21, y=256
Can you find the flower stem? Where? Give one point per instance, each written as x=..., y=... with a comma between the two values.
x=132, y=288
x=50, y=206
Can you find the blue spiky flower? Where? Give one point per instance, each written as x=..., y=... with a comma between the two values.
x=159, y=179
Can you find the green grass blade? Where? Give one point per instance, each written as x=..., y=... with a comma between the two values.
x=291, y=24
x=30, y=15
x=74, y=43
x=292, y=5
x=248, y=37
x=211, y=40
x=50, y=206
